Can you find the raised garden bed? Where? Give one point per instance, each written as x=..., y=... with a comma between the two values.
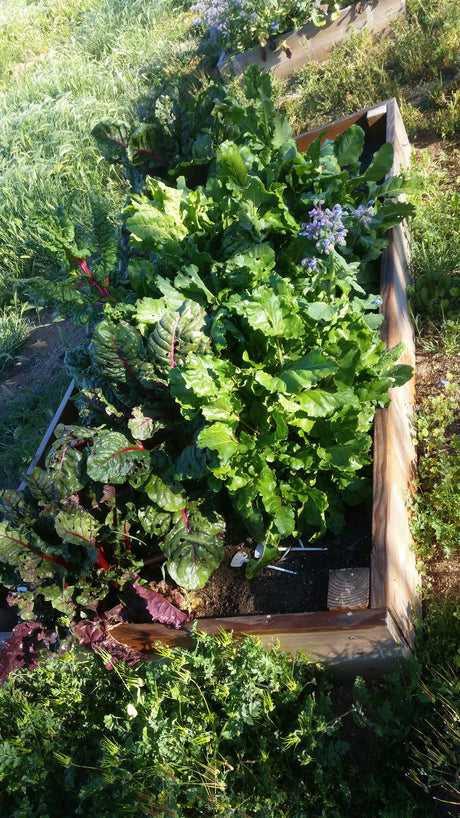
x=312, y=44
x=367, y=616
x=357, y=637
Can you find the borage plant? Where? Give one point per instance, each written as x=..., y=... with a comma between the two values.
x=240, y=382
x=242, y=24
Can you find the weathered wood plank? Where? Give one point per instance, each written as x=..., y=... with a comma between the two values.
x=395, y=578
x=65, y=412
x=354, y=641
x=312, y=44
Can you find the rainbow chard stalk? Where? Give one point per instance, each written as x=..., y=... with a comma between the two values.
x=102, y=289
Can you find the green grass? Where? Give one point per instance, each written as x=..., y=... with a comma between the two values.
x=94, y=62
x=435, y=522
x=14, y=329
x=435, y=239
x=24, y=419
x=419, y=66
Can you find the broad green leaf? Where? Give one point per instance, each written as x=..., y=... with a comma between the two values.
x=166, y=497
x=192, y=464
x=390, y=357
x=225, y=408
x=244, y=501
x=302, y=374
x=317, y=403
x=194, y=549
x=116, y=351
x=312, y=516
x=253, y=567
x=140, y=425
x=114, y=458
x=231, y=163
x=395, y=212
x=381, y=163
x=220, y=438
x=320, y=311
x=149, y=311
x=274, y=315
x=400, y=374
x=150, y=144
x=348, y=146
x=206, y=376
x=111, y=136
x=153, y=521
x=189, y=282
x=31, y=556
x=282, y=516
x=347, y=456
x=64, y=465
x=78, y=527
x=155, y=222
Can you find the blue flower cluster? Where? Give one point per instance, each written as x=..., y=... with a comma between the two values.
x=240, y=24
x=213, y=16
x=311, y=264
x=364, y=214
x=326, y=227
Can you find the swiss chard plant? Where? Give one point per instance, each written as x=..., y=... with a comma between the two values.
x=238, y=381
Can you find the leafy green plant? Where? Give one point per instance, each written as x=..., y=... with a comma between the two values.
x=245, y=375
x=177, y=135
x=435, y=521
x=227, y=727
x=85, y=269
x=14, y=328
x=442, y=337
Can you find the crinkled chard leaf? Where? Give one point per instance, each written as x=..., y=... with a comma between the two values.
x=178, y=333
x=194, y=550
x=114, y=458
x=78, y=527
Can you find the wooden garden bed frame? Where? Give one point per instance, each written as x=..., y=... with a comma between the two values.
x=355, y=640
x=311, y=43
x=351, y=639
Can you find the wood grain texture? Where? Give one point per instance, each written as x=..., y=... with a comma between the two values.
x=312, y=44
x=348, y=588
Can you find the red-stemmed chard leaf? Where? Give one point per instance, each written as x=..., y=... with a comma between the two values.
x=19, y=649
x=159, y=608
x=96, y=634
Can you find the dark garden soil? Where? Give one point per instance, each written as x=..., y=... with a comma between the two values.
x=228, y=593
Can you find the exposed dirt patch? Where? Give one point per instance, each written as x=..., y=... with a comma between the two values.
x=228, y=593
x=42, y=356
